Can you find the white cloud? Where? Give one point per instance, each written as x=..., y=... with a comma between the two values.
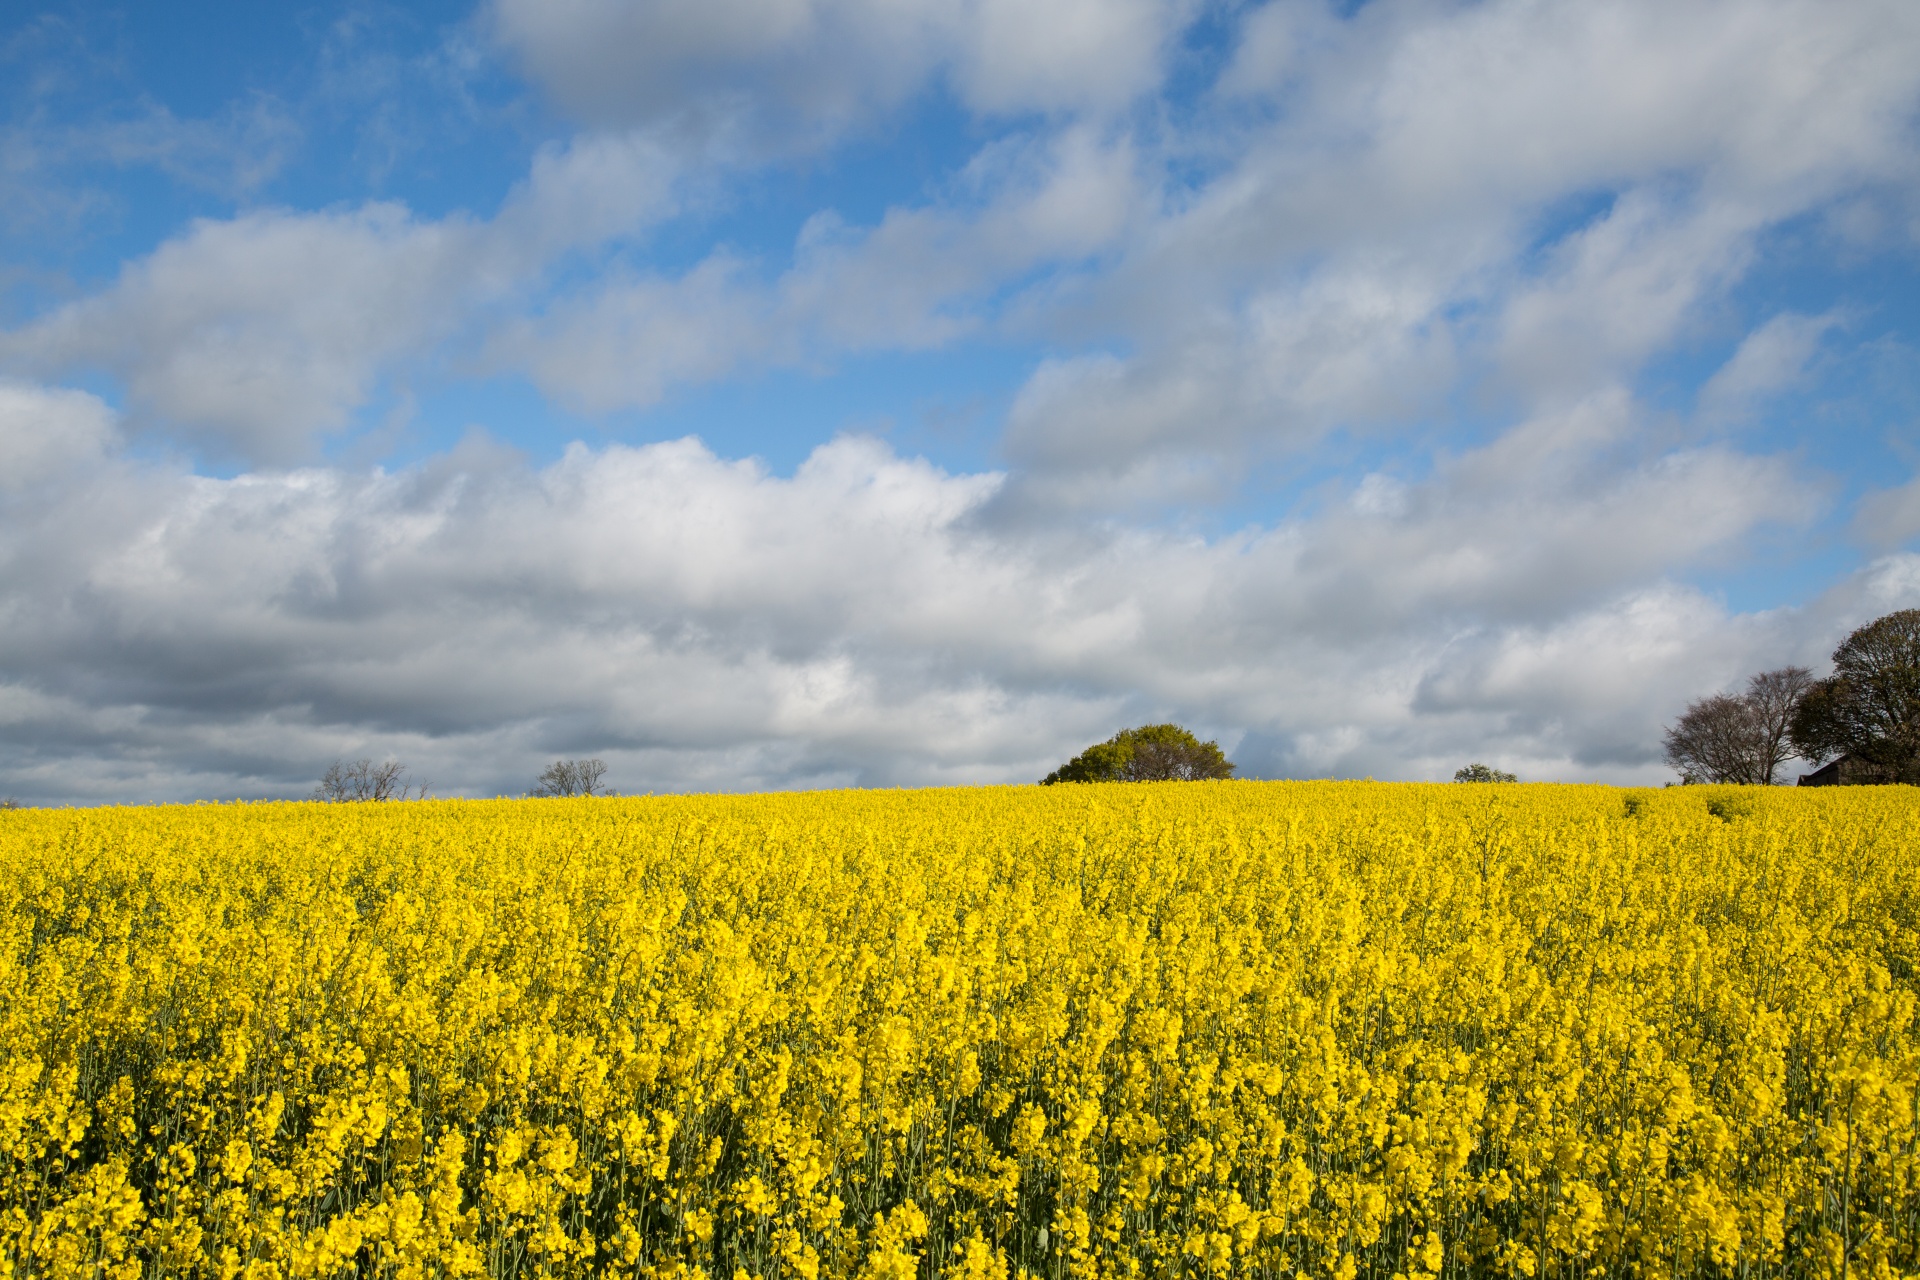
x=920, y=278
x=1354, y=344
x=1016, y=55
x=1422, y=197
x=593, y=188
x=255, y=334
x=699, y=621
x=1619, y=290
x=1772, y=358
x=1419, y=197
x=1442, y=107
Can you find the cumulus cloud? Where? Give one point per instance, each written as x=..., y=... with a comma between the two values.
x=46, y=433
x=1354, y=344
x=253, y=334
x=250, y=336
x=1368, y=213
x=700, y=621
x=1413, y=198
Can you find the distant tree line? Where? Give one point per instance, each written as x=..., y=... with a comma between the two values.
x=347, y=782
x=1864, y=718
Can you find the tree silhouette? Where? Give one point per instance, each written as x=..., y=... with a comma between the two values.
x=365, y=780
x=1739, y=737
x=1869, y=708
x=572, y=778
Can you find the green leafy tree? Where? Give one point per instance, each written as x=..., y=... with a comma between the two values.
x=1477, y=772
x=1869, y=708
x=1151, y=753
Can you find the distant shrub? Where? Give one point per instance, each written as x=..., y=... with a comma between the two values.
x=1151, y=753
x=1477, y=772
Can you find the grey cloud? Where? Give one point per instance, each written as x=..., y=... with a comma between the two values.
x=698, y=621
x=255, y=333
x=1890, y=517
x=46, y=434
x=735, y=74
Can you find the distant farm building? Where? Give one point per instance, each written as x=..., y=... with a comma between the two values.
x=1842, y=771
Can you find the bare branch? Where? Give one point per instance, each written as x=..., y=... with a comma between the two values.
x=1716, y=740
x=363, y=780
x=572, y=778
x=1773, y=697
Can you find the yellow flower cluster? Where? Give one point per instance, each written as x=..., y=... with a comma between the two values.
x=1263, y=1029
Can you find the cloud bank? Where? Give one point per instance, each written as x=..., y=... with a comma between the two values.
x=701, y=622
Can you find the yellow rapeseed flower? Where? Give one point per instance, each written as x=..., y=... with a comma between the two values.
x=1241, y=1029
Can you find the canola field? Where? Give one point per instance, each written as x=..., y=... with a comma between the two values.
x=1263, y=1029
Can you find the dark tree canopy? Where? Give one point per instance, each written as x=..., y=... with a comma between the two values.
x=1151, y=753
x=1869, y=708
x=572, y=778
x=1477, y=772
x=1739, y=737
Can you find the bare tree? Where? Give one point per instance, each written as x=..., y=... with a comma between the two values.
x=1774, y=697
x=572, y=778
x=1741, y=738
x=365, y=780
x=1713, y=741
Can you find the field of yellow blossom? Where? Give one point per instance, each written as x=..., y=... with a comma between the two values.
x=1263, y=1029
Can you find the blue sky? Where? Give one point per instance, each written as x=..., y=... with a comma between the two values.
x=837, y=392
